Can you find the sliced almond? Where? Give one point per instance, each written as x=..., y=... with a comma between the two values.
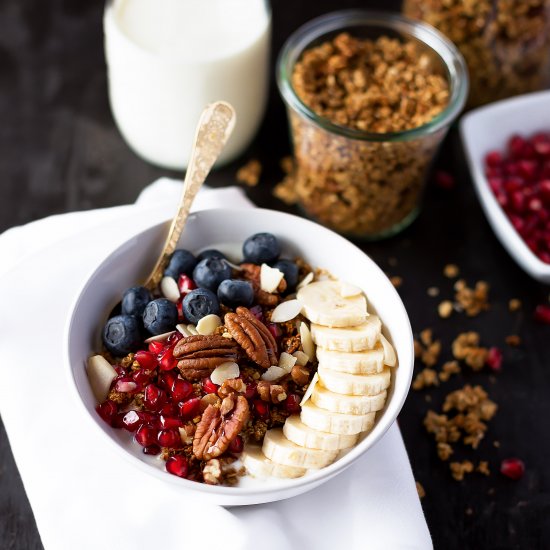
x=306, y=280
x=224, y=372
x=390, y=359
x=169, y=289
x=310, y=389
x=270, y=278
x=208, y=324
x=183, y=330
x=100, y=374
x=185, y=439
x=307, y=341
x=302, y=358
x=348, y=290
x=159, y=337
x=287, y=361
x=286, y=311
x=273, y=373
x=192, y=329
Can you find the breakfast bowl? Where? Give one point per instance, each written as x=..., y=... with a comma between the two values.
x=226, y=230
x=490, y=129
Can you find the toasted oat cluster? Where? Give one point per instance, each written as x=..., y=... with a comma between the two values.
x=355, y=186
x=505, y=43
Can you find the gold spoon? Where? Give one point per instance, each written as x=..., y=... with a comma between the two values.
x=213, y=130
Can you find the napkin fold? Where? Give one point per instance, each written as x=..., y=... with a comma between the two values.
x=83, y=494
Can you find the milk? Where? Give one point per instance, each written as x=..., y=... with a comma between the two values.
x=167, y=59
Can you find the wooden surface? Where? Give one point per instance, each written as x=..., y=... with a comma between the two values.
x=60, y=151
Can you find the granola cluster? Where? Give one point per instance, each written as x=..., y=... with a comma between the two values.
x=356, y=186
x=505, y=42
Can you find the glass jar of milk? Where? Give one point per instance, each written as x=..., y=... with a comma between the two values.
x=167, y=59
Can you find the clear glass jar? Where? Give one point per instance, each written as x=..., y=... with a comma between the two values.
x=364, y=184
x=506, y=43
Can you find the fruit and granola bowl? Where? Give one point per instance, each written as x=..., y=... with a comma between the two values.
x=270, y=357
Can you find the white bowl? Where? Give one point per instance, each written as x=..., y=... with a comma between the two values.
x=130, y=264
x=489, y=128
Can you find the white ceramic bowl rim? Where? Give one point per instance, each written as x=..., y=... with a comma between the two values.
x=382, y=425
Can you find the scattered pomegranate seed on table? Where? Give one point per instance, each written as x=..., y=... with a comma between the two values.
x=494, y=359
x=514, y=468
x=542, y=314
x=445, y=180
x=520, y=181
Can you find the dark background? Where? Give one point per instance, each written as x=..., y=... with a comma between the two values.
x=60, y=151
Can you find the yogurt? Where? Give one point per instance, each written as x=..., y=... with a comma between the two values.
x=167, y=59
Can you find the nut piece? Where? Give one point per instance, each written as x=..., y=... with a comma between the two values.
x=270, y=392
x=212, y=472
x=199, y=355
x=300, y=375
x=253, y=336
x=232, y=385
x=445, y=309
x=216, y=431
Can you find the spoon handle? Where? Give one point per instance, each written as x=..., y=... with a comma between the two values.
x=213, y=130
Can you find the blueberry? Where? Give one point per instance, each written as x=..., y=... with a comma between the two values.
x=122, y=334
x=211, y=253
x=261, y=248
x=160, y=315
x=134, y=300
x=210, y=272
x=233, y=293
x=182, y=261
x=290, y=269
x=198, y=303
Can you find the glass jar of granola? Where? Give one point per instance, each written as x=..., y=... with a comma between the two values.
x=369, y=98
x=506, y=43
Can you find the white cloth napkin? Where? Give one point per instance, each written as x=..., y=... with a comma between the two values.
x=83, y=495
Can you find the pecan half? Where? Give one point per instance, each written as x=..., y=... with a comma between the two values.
x=253, y=336
x=216, y=431
x=199, y=355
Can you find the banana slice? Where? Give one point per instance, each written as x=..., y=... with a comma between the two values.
x=297, y=432
x=259, y=466
x=323, y=304
x=335, y=423
x=347, y=404
x=359, y=362
x=359, y=338
x=279, y=449
x=354, y=384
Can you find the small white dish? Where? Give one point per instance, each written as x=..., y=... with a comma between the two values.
x=131, y=262
x=487, y=129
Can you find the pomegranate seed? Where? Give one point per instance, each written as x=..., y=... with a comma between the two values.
x=179, y=306
x=170, y=422
x=545, y=256
x=107, y=410
x=156, y=347
x=167, y=379
x=516, y=145
x=275, y=330
x=190, y=408
x=141, y=376
x=517, y=201
x=514, y=468
x=495, y=183
x=174, y=338
x=177, y=465
x=236, y=446
x=494, y=359
x=261, y=408
x=154, y=397
x=292, y=403
x=534, y=204
x=186, y=284
x=542, y=314
x=250, y=390
x=120, y=370
x=493, y=159
x=527, y=168
x=131, y=420
x=169, y=438
x=541, y=144
x=151, y=450
x=444, y=180
x=181, y=389
x=146, y=435
x=146, y=359
x=208, y=386
x=169, y=409
x=118, y=421
x=168, y=361
x=150, y=418
x=126, y=385
x=257, y=312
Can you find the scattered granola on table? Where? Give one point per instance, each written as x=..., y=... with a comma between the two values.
x=356, y=186
x=249, y=174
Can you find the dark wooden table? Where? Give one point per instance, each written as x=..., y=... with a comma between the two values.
x=60, y=151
